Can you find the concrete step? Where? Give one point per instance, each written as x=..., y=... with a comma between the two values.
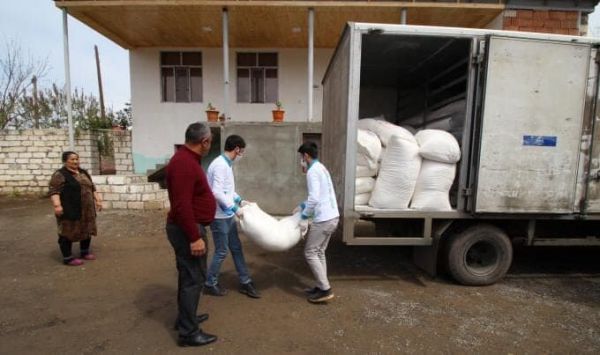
x=130, y=192
x=136, y=205
x=119, y=179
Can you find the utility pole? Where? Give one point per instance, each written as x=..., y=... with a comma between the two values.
x=100, y=91
x=68, y=79
x=36, y=115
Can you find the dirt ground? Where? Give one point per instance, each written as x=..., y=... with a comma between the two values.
x=124, y=302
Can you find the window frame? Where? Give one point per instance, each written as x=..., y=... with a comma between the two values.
x=174, y=67
x=264, y=77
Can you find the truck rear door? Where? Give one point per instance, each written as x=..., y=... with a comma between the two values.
x=531, y=126
x=592, y=160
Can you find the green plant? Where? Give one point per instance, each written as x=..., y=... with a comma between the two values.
x=104, y=143
x=210, y=107
x=279, y=105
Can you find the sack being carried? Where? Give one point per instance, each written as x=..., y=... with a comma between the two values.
x=267, y=232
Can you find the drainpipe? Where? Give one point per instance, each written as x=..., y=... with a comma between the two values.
x=225, y=63
x=68, y=78
x=311, y=27
x=403, y=16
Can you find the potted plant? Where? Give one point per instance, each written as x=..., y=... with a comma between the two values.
x=212, y=114
x=278, y=112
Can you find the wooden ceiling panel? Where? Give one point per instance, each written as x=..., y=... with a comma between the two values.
x=329, y=23
x=193, y=24
x=177, y=26
x=268, y=27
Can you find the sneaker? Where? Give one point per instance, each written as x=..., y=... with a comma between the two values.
x=249, y=290
x=310, y=291
x=215, y=290
x=89, y=256
x=74, y=262
x=321, y=296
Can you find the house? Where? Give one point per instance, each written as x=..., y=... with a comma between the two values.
x=244, y=56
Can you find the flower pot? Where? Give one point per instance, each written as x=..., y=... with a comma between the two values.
x=278, y=115
x=212, y=115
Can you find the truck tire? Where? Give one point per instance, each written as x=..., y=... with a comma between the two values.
x=479, y=255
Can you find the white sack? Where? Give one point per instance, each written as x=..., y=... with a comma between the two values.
x=368, y=144
x=433, y=186
x=411, y=129
x=438, y=146
x=365, y=171
x=362, y=199
x=384, y=130
x=397, y=176
x=267, y=232
x=364, y=184
x=365, y=161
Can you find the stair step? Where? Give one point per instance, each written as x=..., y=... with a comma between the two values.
x=119, y=179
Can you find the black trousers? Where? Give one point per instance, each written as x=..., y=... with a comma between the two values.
x=192, y=274
x=66, y=247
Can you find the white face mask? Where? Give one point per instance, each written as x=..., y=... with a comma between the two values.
x=303, y=164
x=239, y=157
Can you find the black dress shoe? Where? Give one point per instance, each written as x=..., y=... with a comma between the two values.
x=249, y=290
x=199, y=318
x=197, y=340
x=215, y=290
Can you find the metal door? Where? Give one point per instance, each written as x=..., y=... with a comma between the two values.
x=531, y=126
x=592, y=136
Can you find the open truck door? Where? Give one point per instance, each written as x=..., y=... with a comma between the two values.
x=591, y=140
x=529, y=146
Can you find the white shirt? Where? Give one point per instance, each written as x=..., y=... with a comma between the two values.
x=222, y=184
x=321, y=203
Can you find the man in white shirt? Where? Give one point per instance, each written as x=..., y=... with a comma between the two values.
x=321, y=206
x=224, y=228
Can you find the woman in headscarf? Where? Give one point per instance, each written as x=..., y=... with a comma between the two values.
x=75, y=201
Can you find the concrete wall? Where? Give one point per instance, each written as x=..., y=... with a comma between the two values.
x=29, y=157
x=159, y=125
x=270, y=173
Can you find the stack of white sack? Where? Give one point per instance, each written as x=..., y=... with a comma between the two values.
x=268, y=232
x=440, y=152
x=368, y=154
x=384, y=130
x=362, y=190
x=398, y=174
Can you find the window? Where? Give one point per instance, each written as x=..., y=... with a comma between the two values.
x=181, y=76
x=257, y=77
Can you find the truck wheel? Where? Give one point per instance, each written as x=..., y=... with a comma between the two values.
x=479, y=255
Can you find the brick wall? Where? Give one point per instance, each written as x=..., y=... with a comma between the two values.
x=545, y=21
x=122, y=152
x=29, y=157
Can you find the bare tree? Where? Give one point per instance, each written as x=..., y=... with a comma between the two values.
x=16, y=73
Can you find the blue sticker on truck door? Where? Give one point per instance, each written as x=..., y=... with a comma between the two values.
x=540, y=141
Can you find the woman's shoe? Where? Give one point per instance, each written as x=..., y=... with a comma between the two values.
x=74, y=262
x=89, y=257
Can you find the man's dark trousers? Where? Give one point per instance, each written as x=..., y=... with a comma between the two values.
x=192, y=274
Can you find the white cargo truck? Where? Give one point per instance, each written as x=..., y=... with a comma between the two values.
x=522, y=107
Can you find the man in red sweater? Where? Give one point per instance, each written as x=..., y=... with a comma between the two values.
x=192, y=209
